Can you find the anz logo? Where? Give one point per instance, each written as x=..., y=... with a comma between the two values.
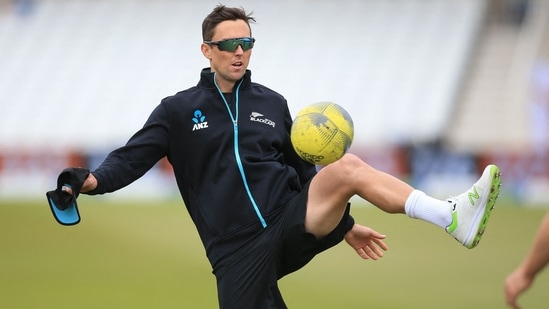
x=199, y=120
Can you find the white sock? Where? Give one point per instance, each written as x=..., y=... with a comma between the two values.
x=421, y=206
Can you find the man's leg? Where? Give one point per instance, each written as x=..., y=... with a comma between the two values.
x=464, y=216
x=335, y=184
x=247, y=278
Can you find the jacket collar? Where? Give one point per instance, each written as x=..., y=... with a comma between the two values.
x=207, y=79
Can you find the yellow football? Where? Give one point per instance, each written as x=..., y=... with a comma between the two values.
x=322, y=133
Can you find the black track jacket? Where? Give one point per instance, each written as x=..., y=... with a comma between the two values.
x=231, y=155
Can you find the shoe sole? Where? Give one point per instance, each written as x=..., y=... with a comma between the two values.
x=493, y=195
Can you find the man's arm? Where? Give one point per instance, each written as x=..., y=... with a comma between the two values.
x=128, y=163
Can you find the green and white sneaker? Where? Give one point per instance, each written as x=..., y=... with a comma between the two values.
x=471, y=209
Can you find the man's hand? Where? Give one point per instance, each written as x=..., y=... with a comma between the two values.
x=515, y=284
x=89, y=184
x=367, y=242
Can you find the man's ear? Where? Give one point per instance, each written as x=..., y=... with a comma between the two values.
x=206, y=50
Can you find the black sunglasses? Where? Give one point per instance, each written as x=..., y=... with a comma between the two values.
x=232, y=44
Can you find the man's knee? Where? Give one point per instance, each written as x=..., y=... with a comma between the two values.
x=348, y=164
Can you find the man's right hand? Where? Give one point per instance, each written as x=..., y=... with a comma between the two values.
x=89, y=184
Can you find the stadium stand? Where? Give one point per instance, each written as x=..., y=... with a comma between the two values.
x=102, y=66
x=77, y=78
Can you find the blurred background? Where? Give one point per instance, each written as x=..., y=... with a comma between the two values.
x=437, y=88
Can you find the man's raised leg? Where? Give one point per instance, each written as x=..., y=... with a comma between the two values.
x=464, y=216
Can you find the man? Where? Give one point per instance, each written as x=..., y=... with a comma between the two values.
x=520, y=279
x=260, y=210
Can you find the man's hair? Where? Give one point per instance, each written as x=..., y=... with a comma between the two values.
x=220, y=14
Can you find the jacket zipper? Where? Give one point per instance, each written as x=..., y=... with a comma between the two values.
x=234, y=118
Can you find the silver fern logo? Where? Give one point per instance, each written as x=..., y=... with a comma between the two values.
x=258, y=117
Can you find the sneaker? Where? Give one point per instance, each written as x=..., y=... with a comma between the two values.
x=471, y=209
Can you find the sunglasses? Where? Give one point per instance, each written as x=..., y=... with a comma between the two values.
x=232, y=44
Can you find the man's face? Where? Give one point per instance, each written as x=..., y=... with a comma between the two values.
x=230, y=66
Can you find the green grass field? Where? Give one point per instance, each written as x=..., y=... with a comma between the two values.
x=141, y=255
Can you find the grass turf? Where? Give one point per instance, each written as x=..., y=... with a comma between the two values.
x=148, y=255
